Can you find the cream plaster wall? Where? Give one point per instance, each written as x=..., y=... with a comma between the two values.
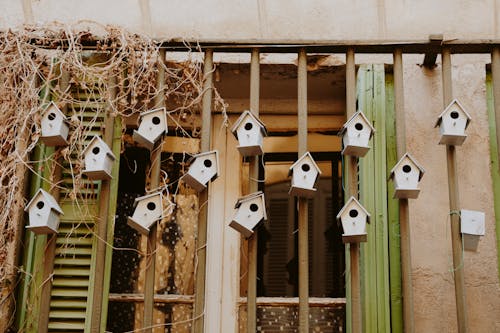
x=271, y=20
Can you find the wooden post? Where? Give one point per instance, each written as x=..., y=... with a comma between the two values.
x=49, y=256
x=201, y=253
x=149, y=283
x=303, y=213
x=403, y=203
x=456, y=238
x=495, y=74
x=253, y=186
x=352, y=190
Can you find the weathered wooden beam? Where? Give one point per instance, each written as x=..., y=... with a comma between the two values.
x=352, y=190
x=294, y=301
x=253, y=187
x=201, y=252
x=302, y=206
x=404, y=219
x=431, y=54
x=495, y=74
x=157, y=298
x=149, y=283
x=453, y=192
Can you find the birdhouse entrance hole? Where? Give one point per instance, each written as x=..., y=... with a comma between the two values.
x=52, y=116
x=248, y=126
x=454, y=115
x=151, y=206
x=306, y=167
x=156, y=120
x=353, y=213
x=406, y=168
x=358, y=126
x=95, y=150
x=254, y=208
x=40, y=204
x=207, y=163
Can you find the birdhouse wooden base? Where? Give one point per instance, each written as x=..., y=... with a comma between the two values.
x=97, y=174
x=42, y=229
x=193, y=182
x=353, y=238
x=142, y=140
x=355, y=150
x=406, y=193
x=244, y=230
x=452, y=140
x=54, y=141
x=471, y=242
x=137, y=226
x=302, y=192
x=250, y=150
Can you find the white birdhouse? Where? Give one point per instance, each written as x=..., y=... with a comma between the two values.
x=250, y=211
x=452, y=123
x=153, y=124
x=250, y=132
x=353, y=217
x=55, y=128
x=148, y=210
x=406, y=175
x=305, y=172
x=98, y=159
x=44, y=213
x=204, y=168
x=356, y=134
x=472, y=226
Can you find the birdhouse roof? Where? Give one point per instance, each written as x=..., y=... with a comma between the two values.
x=242, y=117
x=409, y=157
x=53, y=105
x=101, y=143
x=49, y=199
x=354, y=117
x=349, y=203
x=290, y=171
x=147, y=196
x=158, y=110
x=251, y=197
x=212, y=152
x=460, y=107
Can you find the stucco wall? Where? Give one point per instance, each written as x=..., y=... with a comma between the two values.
x=434, y=298
x=278, y=19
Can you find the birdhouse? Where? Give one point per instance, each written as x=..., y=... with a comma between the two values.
x=148, y=210
x=44, y=213
x=55, y=128
x=250, y=132
x=356, y=134
x=406, y=175
x=472, y=227
x=153, y=124
x=250, y=211
x=353, y=217
x=452, y=123
x=98, y=159
x=305, y=173
x=204, y=168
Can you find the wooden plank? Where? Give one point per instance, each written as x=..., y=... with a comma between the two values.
x=70, y=282
x=303, y=251
x=404, y=219
x=70, y=293
x=67, y=314
x=253, y=187
x=199, y=305
x=158, y=298
x=65, y=271
x=149, y=283
x=76, y=304
x=294, y=301
x=453, y=191
x=68, y=261
x=62, y=325
x=495, y=160
x=74, y=241
x=393, y=214
x=431, y=55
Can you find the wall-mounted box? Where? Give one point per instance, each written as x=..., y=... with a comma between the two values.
x=356, y=134
x=353, y=217
x=44, y=213
x=453, y=122
x=250, y=211
x=204, y=168
x=55, y=127
x=98, y=160
x=250, y=132
x=472, y=227
x=406, y=175
x=148, y=210
x=152, y=125
x=305, y=172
